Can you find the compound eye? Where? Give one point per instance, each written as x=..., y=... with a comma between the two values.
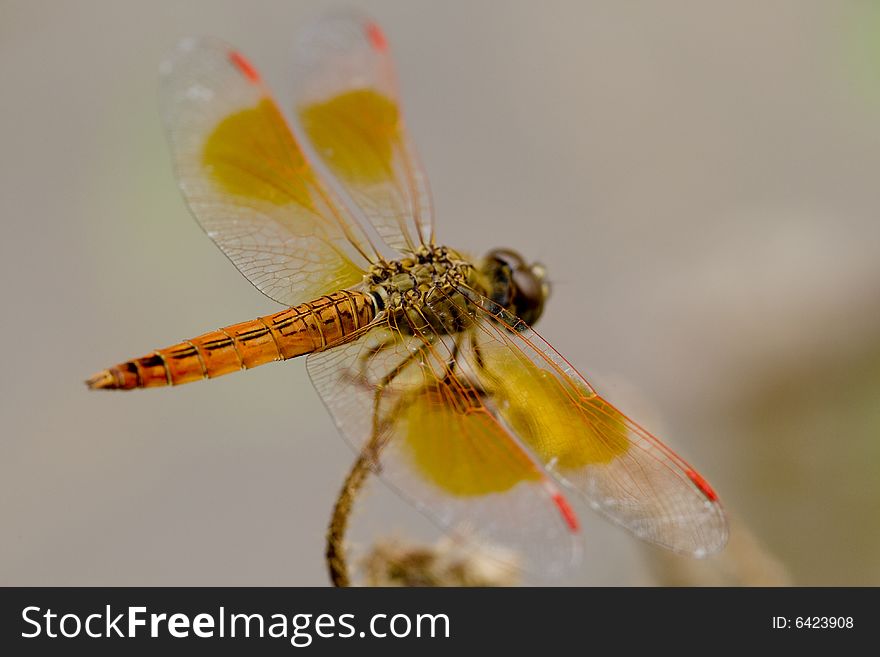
x=528, y=298
x=508, y=257
x=528, y=289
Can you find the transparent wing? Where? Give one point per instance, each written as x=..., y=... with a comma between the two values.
x=349, y=107
x=623, y=471
x=395, y=392
x=247, y=180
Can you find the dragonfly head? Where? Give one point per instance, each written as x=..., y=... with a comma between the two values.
x=519, y=286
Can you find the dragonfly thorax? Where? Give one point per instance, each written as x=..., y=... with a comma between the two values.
x=417, y=280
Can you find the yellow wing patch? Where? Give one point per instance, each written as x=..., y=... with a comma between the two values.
x=459, y=446
x=564, y=424
x=357, y=133
x=252, y=153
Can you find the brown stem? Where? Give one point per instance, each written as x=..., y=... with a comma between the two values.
x=367, y=461
x=335, y=554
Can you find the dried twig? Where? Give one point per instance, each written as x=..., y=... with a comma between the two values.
x=335, y=554
x=447, y=563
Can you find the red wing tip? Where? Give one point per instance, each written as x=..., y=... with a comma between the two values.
x=703, y=485
x=243, y=65
x=567, y=512
x=377, y=37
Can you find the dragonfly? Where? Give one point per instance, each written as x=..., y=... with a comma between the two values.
x=424, y=355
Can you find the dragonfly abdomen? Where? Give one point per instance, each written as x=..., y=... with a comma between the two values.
x=292, y=332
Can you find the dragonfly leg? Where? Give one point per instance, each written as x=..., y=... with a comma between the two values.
x=372, y=351
x=478, y=352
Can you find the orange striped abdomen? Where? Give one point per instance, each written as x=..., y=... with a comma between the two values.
x=293, y=332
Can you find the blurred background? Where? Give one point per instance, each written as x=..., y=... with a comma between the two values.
x=700, y=178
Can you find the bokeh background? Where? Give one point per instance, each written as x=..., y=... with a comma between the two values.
x=700, y=178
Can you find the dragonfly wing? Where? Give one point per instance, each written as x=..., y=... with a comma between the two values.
x=349, y=107
x=617, y=466
x=391, y=391
x=247, y=180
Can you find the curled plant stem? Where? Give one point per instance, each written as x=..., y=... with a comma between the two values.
x=367, y=461
x=335, y=554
